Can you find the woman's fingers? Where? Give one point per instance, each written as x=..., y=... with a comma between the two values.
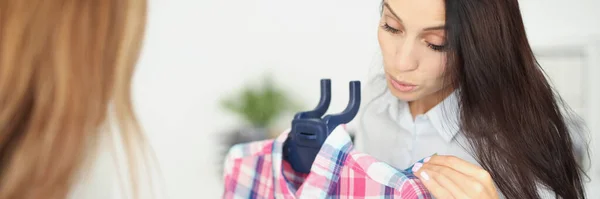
x=456, y=183
x=462, y=166
x=458, y=177
x=433, y=186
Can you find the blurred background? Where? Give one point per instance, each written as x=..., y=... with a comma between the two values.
x=206, y=64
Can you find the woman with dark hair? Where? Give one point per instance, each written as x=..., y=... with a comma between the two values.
x=459, y=79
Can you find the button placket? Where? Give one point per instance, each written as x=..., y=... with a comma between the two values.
x=420, y=125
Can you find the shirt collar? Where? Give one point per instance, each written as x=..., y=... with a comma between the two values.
x=326, y=166
x=444, y=117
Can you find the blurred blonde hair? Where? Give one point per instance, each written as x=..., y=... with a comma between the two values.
x=63, y=65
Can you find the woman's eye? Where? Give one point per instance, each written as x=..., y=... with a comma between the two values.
x=436, y=47
x=390, y=29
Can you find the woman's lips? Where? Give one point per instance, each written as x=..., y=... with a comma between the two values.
x=402, y=86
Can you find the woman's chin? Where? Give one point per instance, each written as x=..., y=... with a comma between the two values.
x=406, y=96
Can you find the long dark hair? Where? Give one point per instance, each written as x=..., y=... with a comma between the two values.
x=515, y=123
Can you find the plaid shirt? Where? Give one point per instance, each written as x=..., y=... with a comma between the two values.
x=257, y=170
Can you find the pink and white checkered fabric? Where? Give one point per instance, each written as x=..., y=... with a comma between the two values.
x=257, y=170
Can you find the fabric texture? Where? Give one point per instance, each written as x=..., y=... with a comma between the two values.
x=257, y=170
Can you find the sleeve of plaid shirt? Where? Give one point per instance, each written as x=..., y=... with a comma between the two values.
x=244, y=166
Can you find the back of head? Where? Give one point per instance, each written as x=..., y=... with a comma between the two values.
x=63, y=63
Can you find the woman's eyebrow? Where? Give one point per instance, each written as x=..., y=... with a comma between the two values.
x=440, y=27
x=392, y=11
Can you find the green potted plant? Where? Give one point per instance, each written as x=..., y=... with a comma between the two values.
x=259, y=107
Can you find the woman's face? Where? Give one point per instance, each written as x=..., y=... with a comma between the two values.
x=411, y=37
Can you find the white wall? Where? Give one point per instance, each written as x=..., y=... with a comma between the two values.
x=196, y=51
x=551, y=22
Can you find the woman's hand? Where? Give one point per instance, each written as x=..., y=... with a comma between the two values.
x=451, y=177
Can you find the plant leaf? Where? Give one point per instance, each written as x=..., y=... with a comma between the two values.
x=260, y=106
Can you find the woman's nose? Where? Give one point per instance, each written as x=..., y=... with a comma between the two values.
x=405, y=59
